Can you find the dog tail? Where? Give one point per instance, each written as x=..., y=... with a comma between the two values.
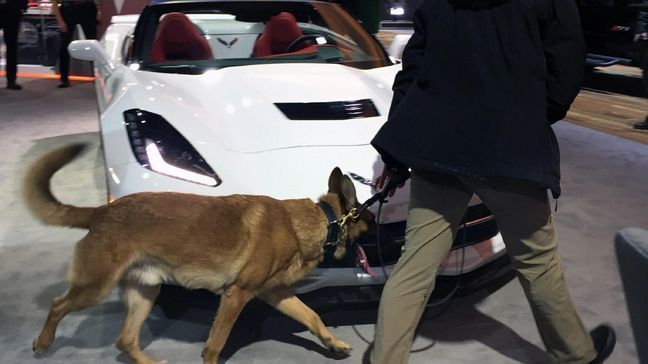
x=38, y=195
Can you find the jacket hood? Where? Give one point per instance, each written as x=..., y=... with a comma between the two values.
x=477, y=4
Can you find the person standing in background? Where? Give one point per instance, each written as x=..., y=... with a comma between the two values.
x=641, y=35
x=69, y=14
x=10, y=15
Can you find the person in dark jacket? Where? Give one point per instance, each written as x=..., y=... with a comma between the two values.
x=10, y=15
x=481, y=85
x=641, y=35
x=69, y=14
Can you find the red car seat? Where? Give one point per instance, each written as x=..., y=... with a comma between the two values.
x=177, y=39
x=280, y=31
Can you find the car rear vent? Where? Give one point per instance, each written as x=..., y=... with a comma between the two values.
x=336, y=110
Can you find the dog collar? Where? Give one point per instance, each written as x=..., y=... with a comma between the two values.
x=335, y=230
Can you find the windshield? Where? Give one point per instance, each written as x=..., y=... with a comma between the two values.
x=193, y=37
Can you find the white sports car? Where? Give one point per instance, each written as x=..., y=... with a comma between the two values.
x=262, y=98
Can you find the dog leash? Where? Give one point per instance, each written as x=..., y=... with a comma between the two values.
x=336, y=232
x=336, y=227
x=396, y=179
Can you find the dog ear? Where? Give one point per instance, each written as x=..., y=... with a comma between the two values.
x=349, y=193
x=334, y=182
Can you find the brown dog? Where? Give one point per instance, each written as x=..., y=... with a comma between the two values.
x=238, y=246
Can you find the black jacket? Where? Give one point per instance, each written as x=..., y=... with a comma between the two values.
x=482, y=82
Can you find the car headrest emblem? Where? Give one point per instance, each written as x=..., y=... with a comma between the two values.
x=225, y=43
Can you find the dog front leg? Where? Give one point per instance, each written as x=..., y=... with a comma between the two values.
x=293, y=307
x=232, y=302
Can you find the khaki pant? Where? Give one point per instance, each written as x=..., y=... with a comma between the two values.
x=523, y=213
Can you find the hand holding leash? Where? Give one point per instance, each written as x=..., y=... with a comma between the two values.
x=391, y=179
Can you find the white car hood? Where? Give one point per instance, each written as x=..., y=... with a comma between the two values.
x=237, y=104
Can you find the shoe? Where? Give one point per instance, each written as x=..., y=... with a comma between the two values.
x=14, y=86
x=604, y=339
x=642, y=125
x=64, y=84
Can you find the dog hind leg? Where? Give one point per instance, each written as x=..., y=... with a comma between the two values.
x=139, y=300
x=232, y=302
x=293, y=307
x=93, y=274
x=77, y=298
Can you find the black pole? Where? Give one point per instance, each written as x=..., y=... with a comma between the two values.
x=367, y=11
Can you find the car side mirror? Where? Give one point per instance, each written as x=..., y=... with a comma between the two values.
x=91, y=50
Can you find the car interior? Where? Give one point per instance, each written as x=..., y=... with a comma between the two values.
x=192, y=37
x=178, y=39
x=278, y=35
x=189, y=39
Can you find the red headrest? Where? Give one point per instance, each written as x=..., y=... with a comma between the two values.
x=279, y=32
x=178, y=39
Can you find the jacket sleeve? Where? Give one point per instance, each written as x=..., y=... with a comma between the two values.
x=412, y=57
x=565, y=52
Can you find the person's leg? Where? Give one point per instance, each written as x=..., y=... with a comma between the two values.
x=12, y=25
x=3, y=18
x=67, y=12
x=89, y=20
x=644, y=68
x=437, y=205
x=523, y=214
x=643, y=125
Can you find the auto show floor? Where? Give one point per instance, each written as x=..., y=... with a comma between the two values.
x=605, y=186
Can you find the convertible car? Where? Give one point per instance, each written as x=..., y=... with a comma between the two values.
x=263, y=98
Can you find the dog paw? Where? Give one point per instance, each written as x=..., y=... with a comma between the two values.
x=40, y=348
x=42, y=343
x=209, y=357
x=340, y=346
